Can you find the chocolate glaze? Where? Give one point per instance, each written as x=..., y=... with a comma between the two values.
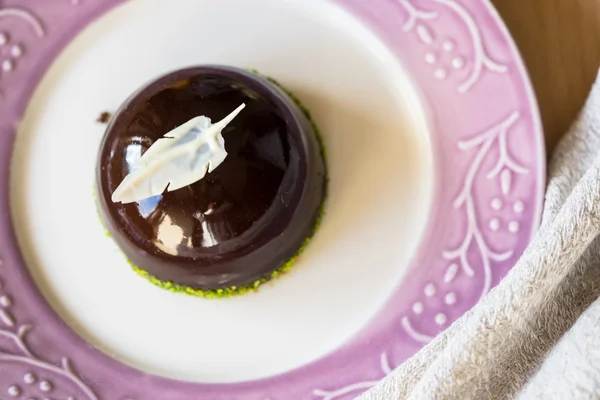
x=242, y=221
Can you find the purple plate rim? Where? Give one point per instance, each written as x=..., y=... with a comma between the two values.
x=488, y=190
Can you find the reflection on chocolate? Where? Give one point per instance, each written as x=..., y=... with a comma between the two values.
x=241, y=222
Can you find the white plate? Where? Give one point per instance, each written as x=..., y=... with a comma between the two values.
x=381, y=187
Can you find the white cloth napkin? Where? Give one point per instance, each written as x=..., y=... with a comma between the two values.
x=537, y=334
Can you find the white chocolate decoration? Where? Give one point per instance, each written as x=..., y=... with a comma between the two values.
x=181, y=157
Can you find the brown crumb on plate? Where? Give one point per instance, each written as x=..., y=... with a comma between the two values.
x=104, y=117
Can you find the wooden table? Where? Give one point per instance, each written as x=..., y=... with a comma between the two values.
x=560, y=43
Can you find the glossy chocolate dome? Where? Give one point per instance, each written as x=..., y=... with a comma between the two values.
x=241, y=222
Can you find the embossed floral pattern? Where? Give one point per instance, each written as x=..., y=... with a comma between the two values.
x=505, y=168
x=418, y=20
x=16, y=334
x=355, y=387
x=11, y=50
x=474, y=237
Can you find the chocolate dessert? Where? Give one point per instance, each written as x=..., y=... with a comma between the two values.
x=248, y=217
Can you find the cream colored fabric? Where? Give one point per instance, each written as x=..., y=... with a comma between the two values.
x=536, y=335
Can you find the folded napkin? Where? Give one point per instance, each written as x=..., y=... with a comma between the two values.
x=537, y=334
